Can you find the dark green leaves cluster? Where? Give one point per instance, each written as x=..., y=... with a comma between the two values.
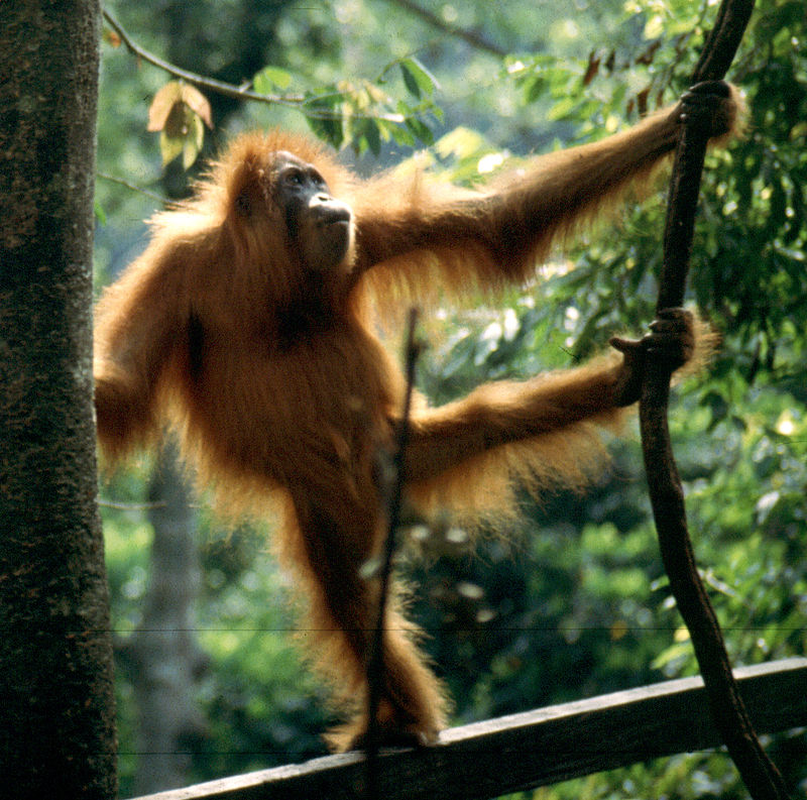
x=364, y=115
x=589, y=604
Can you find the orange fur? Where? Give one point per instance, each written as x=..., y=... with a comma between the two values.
x=283, y=396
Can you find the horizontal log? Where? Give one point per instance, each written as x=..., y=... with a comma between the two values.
x=535, y=748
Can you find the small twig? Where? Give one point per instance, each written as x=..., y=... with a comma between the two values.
x=134, y=187
x=666, y=493
x=120, y=506
x=471, y=37
x=375, y=663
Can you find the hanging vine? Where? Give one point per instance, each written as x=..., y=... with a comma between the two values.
x=666, y=494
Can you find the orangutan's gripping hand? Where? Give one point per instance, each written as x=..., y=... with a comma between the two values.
x=671, y=339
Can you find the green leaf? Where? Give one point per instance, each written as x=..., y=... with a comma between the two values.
x=562, y=109
x=534, y=88
x=402, y=136
x=421, y=130
x=170, y=146
x=373, y=137
x=194, y=139
x=417, y=79
x=324, y=119
x=270, y=78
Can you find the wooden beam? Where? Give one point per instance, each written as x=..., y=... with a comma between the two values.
x=535, y=748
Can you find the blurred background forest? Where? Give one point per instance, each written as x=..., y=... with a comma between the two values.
x=573, y=601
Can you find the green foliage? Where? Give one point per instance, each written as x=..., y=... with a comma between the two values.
x=263, y=708
x=573, y=602
x=588, y=607
x=364, y=115
x=270, y=79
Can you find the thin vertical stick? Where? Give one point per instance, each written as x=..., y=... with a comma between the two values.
x=375, y=666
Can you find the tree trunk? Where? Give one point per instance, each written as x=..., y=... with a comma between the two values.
x=162, y=656
x=57, y=729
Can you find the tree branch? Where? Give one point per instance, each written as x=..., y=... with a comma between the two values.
x=296, y=101
x=211, y=84
x=666, y=494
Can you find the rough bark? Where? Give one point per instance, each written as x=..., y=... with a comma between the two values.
x=57, y=729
